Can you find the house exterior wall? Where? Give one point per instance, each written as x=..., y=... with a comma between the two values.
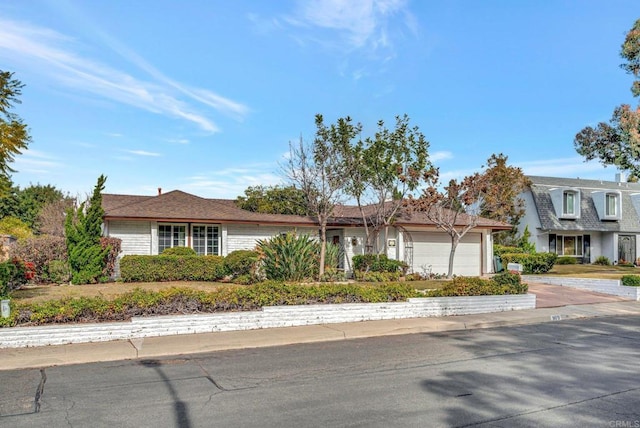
x=473, y=255
x=245, y=237
x=135, y=236
x=530, y=218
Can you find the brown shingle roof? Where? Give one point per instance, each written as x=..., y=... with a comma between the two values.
x=180, y=206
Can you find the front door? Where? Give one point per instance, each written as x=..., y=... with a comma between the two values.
x=626, y=248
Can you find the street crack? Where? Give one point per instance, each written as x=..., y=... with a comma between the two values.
x=39, y=391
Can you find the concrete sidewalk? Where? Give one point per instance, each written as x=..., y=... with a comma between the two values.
x=19, y=358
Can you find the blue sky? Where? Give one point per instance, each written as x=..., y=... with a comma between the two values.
x=205, y=95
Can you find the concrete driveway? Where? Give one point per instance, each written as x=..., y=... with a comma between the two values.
x=551, y=296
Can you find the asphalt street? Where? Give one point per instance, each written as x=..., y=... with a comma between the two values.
x=568, y=373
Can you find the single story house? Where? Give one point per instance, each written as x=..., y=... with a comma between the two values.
x=149, y=224
x=584, y=218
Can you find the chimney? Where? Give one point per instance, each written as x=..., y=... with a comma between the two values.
x=621, y=178
x=159, y=191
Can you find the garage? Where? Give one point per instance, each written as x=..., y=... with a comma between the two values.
x=431, y=250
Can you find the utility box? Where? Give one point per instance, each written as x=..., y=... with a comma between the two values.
x=514, y=268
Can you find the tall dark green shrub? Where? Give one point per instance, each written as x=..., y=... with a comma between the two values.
x=83, y=229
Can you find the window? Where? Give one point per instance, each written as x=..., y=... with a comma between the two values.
x=569, y=203
x=611, y=205
x=206, y=240
x=171, y=235
x=568, y=245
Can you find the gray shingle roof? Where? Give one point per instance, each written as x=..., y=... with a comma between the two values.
x=589, y=219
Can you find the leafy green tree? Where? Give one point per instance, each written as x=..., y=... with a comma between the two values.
x=273, y=200
x=83, y=229
x=27, y=204
x=391, y=168
x=14, y=135
x=502, y=202
x=15, y=227
x=618, y=142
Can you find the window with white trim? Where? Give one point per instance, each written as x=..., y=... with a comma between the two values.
x=569, y=203
x=611, y=205
x=566, y=245
x=206, y=239
x=171, y=235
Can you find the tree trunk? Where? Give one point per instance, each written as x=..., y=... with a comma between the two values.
x=323, y=247
x=454, y=244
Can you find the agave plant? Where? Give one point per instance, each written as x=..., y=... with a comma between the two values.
x=289, y=257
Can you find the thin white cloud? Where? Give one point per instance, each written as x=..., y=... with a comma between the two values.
x=143, y=153
x=358, y=24
x=565, y=167
x=230, y=183
x=55, y=56
x=178, y=140
x=440, y=155
x=36, y=162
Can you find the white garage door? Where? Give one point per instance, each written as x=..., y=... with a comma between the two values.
x=431, y=251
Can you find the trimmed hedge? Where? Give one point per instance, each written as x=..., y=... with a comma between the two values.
x=179, y=251
x=171, y=268
x=566, y=260
x=531, y=263
x=377, y=263
x=630, y=280
x=499, y=250
x=241, y=262
x=504, y=283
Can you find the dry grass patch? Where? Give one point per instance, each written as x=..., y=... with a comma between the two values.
x=43, y=293
x=593, y=271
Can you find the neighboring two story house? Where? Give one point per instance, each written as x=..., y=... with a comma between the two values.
x=584, y=218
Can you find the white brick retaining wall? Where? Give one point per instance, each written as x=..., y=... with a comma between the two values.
x=605, y=286
x=268, y=317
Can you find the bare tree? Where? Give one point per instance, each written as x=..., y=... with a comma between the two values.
x=51, y=217
x=319, y=170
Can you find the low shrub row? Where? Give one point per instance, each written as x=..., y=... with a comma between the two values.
x=630, y=280
x=377, y=263
x=504, y=283
x=184, y=300
x=566, y=260
x=171, y=268
x=535, y=263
